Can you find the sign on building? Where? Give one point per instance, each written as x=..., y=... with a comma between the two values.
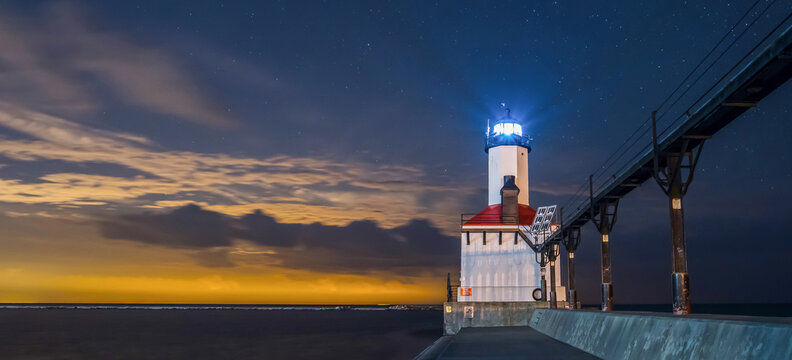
x=468, y=312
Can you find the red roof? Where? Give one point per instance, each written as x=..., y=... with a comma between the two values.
x=491, y=215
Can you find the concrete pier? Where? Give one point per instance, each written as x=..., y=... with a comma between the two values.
x=458, y=315
x=623, y=335
x=502, y=343
x=531, y=330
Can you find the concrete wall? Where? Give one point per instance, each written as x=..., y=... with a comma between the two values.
x=487, y=314
x=660, y=336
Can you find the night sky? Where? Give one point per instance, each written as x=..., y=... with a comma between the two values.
x=321, y=152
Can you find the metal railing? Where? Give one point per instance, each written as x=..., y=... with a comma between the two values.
x=489, y=219
x=493, y=140
x=504, y=293
x=688, y=104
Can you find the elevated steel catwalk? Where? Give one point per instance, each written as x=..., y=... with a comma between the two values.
x=765, y=73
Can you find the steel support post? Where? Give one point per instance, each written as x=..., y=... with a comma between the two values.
x=449, y=295
x=604, y=222
x=544, y=287
x=571, y=242
x=542, y=260
x=679, y=277
x=607, y=285
x=551, y=252
x=675, y=185
x=572, y=299
x=553, y=302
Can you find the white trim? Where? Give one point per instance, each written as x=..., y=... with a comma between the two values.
x=491, y=227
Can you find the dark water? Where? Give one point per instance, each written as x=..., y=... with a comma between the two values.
x=215, y=334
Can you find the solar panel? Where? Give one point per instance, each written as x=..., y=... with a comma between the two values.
x=543, y=219
x=538, y=219
x=548, y=218
x=541, y=224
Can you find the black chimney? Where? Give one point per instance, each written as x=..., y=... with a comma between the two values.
x=509, y=209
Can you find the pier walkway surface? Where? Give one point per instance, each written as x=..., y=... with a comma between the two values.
x=501, y=343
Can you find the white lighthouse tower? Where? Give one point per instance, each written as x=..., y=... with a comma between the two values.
x=497, y=262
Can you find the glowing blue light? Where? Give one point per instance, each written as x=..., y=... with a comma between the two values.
x=508, y=129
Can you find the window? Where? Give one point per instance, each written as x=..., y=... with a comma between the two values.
x=507, y=129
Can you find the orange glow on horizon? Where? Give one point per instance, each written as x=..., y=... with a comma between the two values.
x=56, y=261
x=21, y=286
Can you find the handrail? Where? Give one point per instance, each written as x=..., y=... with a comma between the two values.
x=720, y=109
x=490, y=219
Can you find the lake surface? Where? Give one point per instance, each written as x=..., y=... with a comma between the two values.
x=215, y=334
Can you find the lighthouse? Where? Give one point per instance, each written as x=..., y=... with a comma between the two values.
x=498, y=262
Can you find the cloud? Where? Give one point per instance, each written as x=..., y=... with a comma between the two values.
x=186, y=227
x=213, y=258
x=59, y=59
x=359, y=247
x=295, y=189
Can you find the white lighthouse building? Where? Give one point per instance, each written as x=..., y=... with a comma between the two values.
x=497, y=262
